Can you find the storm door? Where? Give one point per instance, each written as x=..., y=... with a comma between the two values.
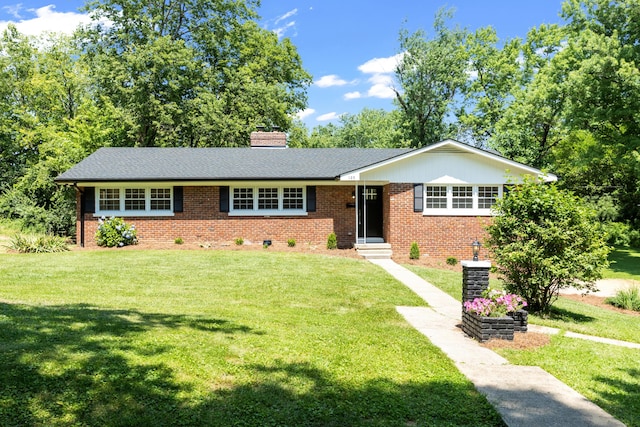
x=370, y=214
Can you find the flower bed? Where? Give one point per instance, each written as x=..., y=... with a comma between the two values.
x=495, y=315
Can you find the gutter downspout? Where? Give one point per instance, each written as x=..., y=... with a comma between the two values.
x=75, y=185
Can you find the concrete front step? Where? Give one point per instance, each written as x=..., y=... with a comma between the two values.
x=374, y=250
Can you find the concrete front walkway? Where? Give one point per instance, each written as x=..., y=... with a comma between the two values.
x=523, y=395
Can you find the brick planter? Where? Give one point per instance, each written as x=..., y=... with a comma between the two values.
x=484, y=328
x=520, y=320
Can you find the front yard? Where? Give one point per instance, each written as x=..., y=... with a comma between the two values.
x=605, y=374
x=218, y=338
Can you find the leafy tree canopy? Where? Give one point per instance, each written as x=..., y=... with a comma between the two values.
x=192, y=73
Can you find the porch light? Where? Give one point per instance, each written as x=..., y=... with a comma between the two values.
x=476, y=249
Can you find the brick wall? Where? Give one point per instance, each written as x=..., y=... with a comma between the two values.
x=201, y=221
x=438, y=237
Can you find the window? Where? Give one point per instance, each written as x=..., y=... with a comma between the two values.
x=160, y=199
x=462, y=197
x=109, y=199
x=134, y=201
x=487, y=197
x=243, y=199
x=436, y=197
x=267, y=198
x=268, y=201
x=292, y=198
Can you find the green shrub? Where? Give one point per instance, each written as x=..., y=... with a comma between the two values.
x=628, y=299
x=38, y=243
x=544, y=239
x=291, y=243
x=239, y=241
x=115, y=232
x=178, y=240
x=618, y=233
x=332, y=241
x=634, y=238
x=452, y=260
x=414, y=252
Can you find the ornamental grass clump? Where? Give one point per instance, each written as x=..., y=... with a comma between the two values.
x=495, y=303
x=115, y=232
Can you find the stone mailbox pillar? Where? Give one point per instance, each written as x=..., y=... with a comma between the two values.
x=475, y=279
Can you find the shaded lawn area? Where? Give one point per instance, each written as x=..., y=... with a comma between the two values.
x=126, y=337
x=605, y=374
x=625, y=264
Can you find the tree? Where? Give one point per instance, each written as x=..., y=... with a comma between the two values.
x=534, y=121
x=430, y=74
x=371, y=129
x=49, y=122
x=494, y=75
x=192, y=73
x=543, y=240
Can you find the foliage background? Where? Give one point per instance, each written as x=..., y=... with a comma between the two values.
x=203, y=73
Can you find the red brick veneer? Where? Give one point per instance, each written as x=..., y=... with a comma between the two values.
x=201, y=221
x=438, y=237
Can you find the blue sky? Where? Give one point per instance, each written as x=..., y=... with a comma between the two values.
x=348, y=46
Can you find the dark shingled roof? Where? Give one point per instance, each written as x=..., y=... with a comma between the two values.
x=226, y=164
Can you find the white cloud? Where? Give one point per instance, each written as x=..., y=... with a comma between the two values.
x=381, y=80
x=330, y=80
x=381, y=91
x=287, y=15
x=280, y=30
x=381, y=65
x=14, y=10
x=329, y=116
x=47, y=20
x=352, y=95
x=305, y=113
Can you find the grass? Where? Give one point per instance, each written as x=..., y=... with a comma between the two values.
x=605, y=374
x=130, y=337
x=625, y=264
x=565, y=314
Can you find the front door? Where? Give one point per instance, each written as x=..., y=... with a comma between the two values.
x=370, y=214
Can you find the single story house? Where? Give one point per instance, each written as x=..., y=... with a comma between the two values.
x=439, y=196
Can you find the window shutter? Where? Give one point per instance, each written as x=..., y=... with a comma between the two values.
x=224, y=199
x=178, y=199
x=311, y=198
x=418, y=198
x=88, y=199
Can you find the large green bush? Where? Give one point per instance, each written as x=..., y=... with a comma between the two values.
x=115, y=232
x=544, y=239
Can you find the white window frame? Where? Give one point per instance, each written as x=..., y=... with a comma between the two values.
x=475, y=210
x=122, y=212
x=256, y=211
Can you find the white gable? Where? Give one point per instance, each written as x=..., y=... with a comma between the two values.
x=447, y=162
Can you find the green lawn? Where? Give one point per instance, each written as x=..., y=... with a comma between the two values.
x=625, y=264
x=605, y=374
x=130, y=337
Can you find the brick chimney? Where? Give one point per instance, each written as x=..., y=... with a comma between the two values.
x=274, y=139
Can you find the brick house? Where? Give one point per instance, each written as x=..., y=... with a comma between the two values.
x=439, y=196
